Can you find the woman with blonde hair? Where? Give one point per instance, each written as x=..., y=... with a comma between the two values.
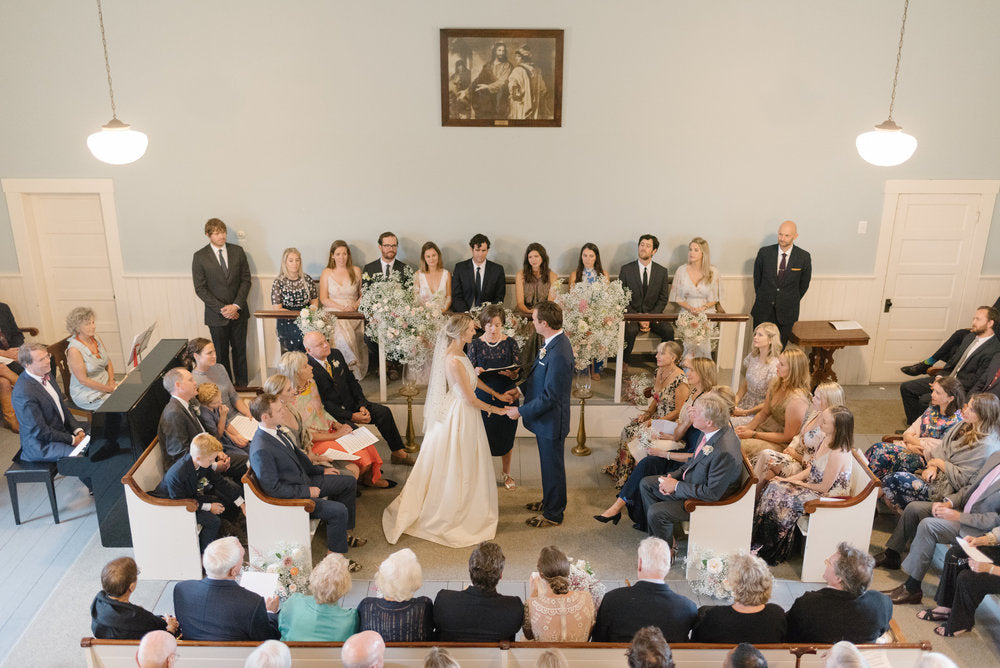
x=695, y=289
x=340, y=290
x=759, y=368
x=750, y=618
x=777, y=423
x=316, y=616
x=554, y=613
x=398, y=616
x=92, y=376
x=294, y=290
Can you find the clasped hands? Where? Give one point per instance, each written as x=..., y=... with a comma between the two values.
x=230, y=311
x=221, y=464
x=943, y=511
x=361, y=416
x=509, y=397
x=668, y=484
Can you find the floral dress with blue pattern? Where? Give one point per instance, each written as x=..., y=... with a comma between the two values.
x=884, y=458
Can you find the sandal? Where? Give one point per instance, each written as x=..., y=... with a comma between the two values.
x=354, y=541
x=353, y=566
x=932, y=615
x=943, y=631
x=508, y=482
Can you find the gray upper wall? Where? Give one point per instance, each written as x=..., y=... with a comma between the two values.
x=302, y=121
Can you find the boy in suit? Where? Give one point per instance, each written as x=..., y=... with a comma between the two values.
x=477, y=280
x=780, y=281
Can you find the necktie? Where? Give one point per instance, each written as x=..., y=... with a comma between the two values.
x=993, y=382
x=697, y=450
x=645, y=279
x=284, y=438
x=965, y=357
x=783, y=265
x=386, y=267
x=45, y=379
x=328, y=368
x=222, y=263
x=479, y=286
x=988, y=480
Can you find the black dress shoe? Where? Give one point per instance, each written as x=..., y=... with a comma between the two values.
x=889, y=561
x=613, y=519
x=917, y=369
x=901, y=596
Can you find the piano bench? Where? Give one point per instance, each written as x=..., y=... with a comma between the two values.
x=26, y=472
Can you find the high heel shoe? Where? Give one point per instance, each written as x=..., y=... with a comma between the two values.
x=613, y=519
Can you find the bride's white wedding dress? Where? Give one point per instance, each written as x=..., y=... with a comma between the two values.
x=451, y=495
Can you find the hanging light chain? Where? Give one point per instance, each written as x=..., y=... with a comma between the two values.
x=107, y=63
x=895, y=76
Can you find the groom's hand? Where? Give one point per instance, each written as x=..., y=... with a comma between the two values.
x=513, y=413
x=510, y=396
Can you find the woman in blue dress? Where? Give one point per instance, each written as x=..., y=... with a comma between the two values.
x=495, y=350
x=589, y=269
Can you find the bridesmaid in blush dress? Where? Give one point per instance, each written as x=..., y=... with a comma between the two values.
x=340, y=290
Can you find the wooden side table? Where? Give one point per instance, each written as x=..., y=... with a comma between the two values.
x=823, y=339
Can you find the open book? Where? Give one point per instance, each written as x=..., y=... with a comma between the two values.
x=246, y=426
x=973, y=552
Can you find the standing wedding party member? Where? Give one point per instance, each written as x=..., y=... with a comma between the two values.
x=92, y=376
x=546, y=411
x=477, y=280
x=696, y=290
x=781, y=275
x=432, y=282
x=340, y=290
x=294, y=290
x=648, y=282
x=759, y=367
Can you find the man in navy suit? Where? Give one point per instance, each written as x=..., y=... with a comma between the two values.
x=477, y=280
x=648, y=602
x=48, y=430
x=221, y=276
x=285, y=472
x=217, y=608
x=387, y=264
x=712, y=473
x=546, y=411
x=649, y=283
x=344, y=399
x=11, y=339
x=780, y=280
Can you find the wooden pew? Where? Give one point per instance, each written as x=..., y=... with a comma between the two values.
x=271, y=520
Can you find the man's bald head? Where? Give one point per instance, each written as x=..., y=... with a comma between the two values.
x=788, y=232
x=363, y=650
x=157, y=649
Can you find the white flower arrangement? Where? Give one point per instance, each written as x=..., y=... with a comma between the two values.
x=693, y=328
x=292, y=563
x=635, y=389
x=711, y=576
x=396, y=319
x=592, y=313
x=583, y=578
x=315, y=319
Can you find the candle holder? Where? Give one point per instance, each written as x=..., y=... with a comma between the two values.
x=583, y=391
x=409, y=389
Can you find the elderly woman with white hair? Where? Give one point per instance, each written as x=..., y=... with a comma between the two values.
x=399, y=617
x=270, y=654
x=750, y=618
x=318, y=617
x=92, y=376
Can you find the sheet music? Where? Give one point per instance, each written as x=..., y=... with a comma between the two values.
x=246, y=426
x=78, y=450
x=263, y=584
x=357, y=439
x=5, y=360
x=973, y=552
x=663, y=426
x=340, y=455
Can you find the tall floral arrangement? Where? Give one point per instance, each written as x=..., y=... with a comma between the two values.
x=711, y=574
x=592, y=313
x=292, y=563
x=397, y=320
x=316, y=319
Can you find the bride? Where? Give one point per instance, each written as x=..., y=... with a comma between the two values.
x=450, y=497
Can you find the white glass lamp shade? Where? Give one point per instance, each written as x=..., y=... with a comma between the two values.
x=117, y=143
x=886, y=146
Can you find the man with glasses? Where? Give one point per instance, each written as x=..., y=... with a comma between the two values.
x=384, y=266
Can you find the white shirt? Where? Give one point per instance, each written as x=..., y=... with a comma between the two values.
x=480, y=267
x=551, y=337
x=386, y=265
x=707, y=435
x=186, y=405
x=976, y=342
x=52, y=393
x=777, y=267
x=225, y=253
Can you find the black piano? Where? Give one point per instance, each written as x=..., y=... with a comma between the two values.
x=120, y=431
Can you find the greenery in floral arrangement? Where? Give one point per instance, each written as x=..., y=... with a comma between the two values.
x=397, y=320
x=694, y=329
x=711, y=574
x=316, y=319
x=592, y=313
x=510, y=319
x=292, y=563
x=583, y=578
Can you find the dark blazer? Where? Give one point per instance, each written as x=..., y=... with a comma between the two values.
x=657, y=294
x=117, y=620
x=222, y=610
x=45, y=437
x=547, y=391
x=985, y=513
x=463, y=285
x=9, y=327
x=830, y=615
x=176, y=429
x=374, y=268
x=283, y=472
x=341, y=395
x=712, y=475
x=216, y=289
x=627, y=609
x=978, y=362
x=783, y=296
x=477, y=615
x=985, y=382
x=182, y=481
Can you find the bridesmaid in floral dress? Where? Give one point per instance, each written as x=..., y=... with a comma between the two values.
x=340, y=290
x=294, y=290
x=759, y=368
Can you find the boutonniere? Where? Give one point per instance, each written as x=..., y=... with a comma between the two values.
x=541, y=353
x=335, y=364
x=707, y=450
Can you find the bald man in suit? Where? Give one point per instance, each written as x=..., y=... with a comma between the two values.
x=781, y=275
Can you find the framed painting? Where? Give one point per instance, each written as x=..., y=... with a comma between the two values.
x=501, y=78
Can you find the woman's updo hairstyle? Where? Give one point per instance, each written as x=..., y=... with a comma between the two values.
x=194, y=347
x=457, y=324
x=553, y=566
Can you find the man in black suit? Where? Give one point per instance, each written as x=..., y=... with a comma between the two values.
x=11, y=339
x=712, y=473
x=285, y=472
x=217, y=608
x=222, y=280
x=648, y=602
x=385, y=266
x=344, y=399
x=48, y=430
x=478, y=613
x=477, y=280
x=989, y=381
x=966, y=360
x=648, y=282
x=781, y=275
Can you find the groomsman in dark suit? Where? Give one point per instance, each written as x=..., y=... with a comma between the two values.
x=546, y=411
x=477, y=279
x=222, y=280
x=11, y=339
x=48, y=430
x=781, y=275
x=648, y=282
x=387, y=263
x=344, y=399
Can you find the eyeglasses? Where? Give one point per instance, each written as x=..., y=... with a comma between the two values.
x=389, y=245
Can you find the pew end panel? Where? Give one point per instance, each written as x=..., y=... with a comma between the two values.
x=272, y=521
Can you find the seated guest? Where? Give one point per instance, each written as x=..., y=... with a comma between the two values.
x=363, y=650
x=989, y=381
x=650, y=286
x=844, y=610
x=340, y=291
x=534, y=282
x=968, y=512
x=952, y=463
x=432, y=282
x=550, y=658
x=398, y=616
x=588, y=270
x=669, y=392
x=965, y=582
x=438, y=657
x=345, y=401
x=648, y=602
x=48, y=430
x=285, y=472
x=11, y=338
x=214, y=414
x=479, y=613
x=157, y=649
x=112, y=616
x=216, y=607
x=759, y=368
x=385, y=266
x=270, y=654
x=294, y=290
x=218, y=497
x=827, y=475
x=750, y=618
x=712, y=473
x=477, y=280
x=554, y=613
x=845, y=655
x=92, y=376
x=200, y=359
x=911, y=454
x=744, y=655
x=317, y=616
x=696, y=290
x=965, y=355
x=649, y=650
x=776, y=424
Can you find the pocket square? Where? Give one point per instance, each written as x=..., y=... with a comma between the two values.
x=795, y=268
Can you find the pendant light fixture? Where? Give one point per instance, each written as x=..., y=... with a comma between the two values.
x=116, y=143
x=887, y=145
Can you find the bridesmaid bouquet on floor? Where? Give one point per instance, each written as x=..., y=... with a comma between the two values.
x=398, y=320
x=592, y=314
x=583, y=578
x=314, y=319
x=711, y=574
x=292, y=563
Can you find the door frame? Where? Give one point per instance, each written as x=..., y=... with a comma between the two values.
x=28, y=259
x=986, y=190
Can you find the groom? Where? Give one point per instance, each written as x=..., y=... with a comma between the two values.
x=546, y=411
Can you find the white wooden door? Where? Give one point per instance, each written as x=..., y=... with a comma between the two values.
x=935, y=252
